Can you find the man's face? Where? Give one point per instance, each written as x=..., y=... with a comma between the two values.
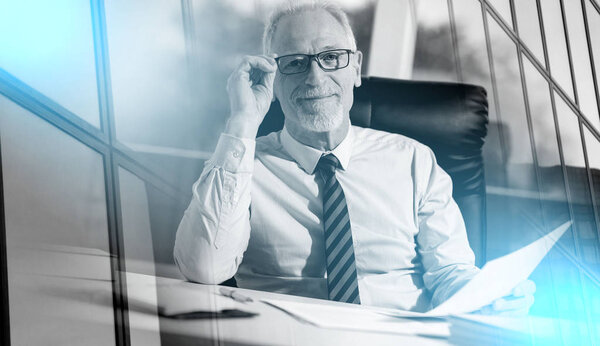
x=315, y=100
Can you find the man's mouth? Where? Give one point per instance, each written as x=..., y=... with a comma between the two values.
x=314, y=98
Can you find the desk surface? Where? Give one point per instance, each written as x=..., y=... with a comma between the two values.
x=270, y=326
x=75, y=311
x=273, y=326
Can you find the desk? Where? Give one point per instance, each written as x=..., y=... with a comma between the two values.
x=271, y=326
x=79, y=311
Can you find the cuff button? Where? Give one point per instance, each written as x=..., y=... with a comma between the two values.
x=236, y=154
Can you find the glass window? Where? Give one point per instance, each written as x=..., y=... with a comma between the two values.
x=58, y=260
x=149, y=220
x=475, y=68
x=593, y=17
x=585, y=231
x=49, y=46
x=510, y=99
x=529, y=27
x=150, y=87
x=434, y=51
x=513, y=205
x=581, y=62
x=551, y=183
x=503, y=8
x=139, y=257
x=557, y=45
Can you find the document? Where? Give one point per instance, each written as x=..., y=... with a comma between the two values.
x=357, y=317
x=495, y=280
x=499, y=277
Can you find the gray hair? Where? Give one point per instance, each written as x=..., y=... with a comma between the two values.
x=294, y=7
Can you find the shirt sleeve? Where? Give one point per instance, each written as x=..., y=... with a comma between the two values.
x=215, y=229
x=447, y=259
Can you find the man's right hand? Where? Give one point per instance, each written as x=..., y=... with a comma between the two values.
x=250, y=89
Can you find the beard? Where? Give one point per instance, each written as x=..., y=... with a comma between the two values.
x=319, y=114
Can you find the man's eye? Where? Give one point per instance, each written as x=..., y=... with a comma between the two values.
x=294, y=63
x=330, y=57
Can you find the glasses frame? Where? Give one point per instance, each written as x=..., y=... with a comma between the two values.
x=316, y=58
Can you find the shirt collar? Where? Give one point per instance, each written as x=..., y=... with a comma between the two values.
x=308, y=157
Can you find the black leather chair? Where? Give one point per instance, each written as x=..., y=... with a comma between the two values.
x=450, y=118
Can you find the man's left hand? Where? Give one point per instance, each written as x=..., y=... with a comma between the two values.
x=516, y=304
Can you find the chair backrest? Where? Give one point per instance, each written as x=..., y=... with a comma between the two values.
x=450, y=118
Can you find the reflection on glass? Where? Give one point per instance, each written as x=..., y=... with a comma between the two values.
x=59, y=270
x=150, y=88
x=513, y=206
x=556, y=44
x=581, y=62
x=434, y=52
x=475, y=68
x=512, y=105
x=592, y=146
x=139, y=258
x=593, y=18
x=150, y=219
x=502, y=7
x=49, y=46
x=585, y=230
x=552, y=186
x=529, y=27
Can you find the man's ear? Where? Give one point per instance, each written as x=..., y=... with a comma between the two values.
x=358, y=66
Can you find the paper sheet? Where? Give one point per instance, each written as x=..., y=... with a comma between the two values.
x=499, y=277
x=353, y=317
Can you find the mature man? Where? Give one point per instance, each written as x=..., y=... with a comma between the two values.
x=322, y=208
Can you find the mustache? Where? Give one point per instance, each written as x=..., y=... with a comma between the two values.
x=316, y=92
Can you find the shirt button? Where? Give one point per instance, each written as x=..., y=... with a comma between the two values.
x=236, y=154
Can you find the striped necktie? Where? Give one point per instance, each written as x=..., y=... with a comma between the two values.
x=342, y=280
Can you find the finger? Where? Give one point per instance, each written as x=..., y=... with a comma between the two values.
x=524, y=288
x=260, y=62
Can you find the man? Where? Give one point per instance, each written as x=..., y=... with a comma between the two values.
x=322, y=208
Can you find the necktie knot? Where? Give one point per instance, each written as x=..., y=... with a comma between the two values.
x=328, y=164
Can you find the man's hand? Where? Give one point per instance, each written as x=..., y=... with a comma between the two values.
x=517, y=304
x=250, y=89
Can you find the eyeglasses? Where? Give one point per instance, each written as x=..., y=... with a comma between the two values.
x=329, y=60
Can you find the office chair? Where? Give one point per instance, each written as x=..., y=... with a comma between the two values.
x=450, y=118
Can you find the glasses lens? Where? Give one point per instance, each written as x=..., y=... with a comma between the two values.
x=334, y=59
x=293, y=63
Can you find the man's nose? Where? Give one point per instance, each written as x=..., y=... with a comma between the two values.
x=314, y=75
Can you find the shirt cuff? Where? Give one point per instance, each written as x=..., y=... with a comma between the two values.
x=235, y=155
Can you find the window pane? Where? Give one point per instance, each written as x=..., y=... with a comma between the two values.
x=151, y=95
x=57, y=234
x=529, y=27
x=139, y=257
x=585, y=236
x=594, y=29
x=552, y=187
x=150, y=219
x=434, y=52
x=48, y=45
x=581, y=62
x=502, y=7
x=510, y=98
x=557, y=46
x=513, y=205
x=475, y=68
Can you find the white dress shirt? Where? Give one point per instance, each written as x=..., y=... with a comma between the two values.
x=256, y=212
